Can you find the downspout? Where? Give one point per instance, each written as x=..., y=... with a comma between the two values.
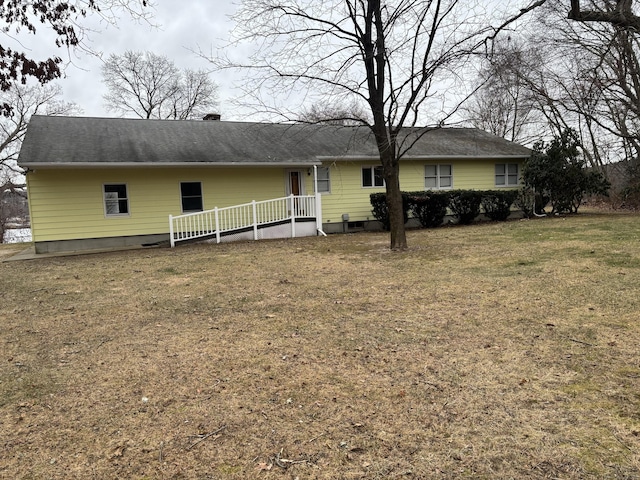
x=318, y=202
x=534, y=205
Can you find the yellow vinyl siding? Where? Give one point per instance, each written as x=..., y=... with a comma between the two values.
x=474, y=175
x=347, y=193
x=348, y=196
x=68, y=204
x=234, y=186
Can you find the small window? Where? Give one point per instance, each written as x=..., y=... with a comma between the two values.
x=191, y=193
x=372, y=177
x=438, y=177
x=507, y=175
x=324, y=180
x=116, y=201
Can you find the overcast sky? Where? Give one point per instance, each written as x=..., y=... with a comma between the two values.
x=182, y=28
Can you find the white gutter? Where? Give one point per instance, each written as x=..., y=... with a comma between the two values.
x=318, y=202
x=356, y=158
x=33, y=166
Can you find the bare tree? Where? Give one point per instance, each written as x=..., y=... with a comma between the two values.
x=593, y=83
x=25, y=101
x=548, y=89
x=151, y=86
x=394, y=58
x=327, y=114
x=62, y=17
x=13, y=199
x=504, y=104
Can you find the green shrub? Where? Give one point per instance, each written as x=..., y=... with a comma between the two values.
x=380, y=210
x=429, y=208
x=465, y=204
x=497, y=203
x=558, y=173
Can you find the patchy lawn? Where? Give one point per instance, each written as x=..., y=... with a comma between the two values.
x=492, y=351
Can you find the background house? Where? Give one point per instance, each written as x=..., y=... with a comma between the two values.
x=98, y=182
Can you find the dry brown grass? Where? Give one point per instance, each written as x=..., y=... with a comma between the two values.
x=491, y=351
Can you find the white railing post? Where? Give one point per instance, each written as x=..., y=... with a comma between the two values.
x=171, y=239
x=292, y=216
x=255, y=220
x=215, y=214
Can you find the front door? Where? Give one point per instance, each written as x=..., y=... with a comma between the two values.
x=294, y=187
x=295, y=183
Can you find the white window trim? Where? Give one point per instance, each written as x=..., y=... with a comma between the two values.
x=180, y=195
x=325, y=192
x=373, y=177
x=506, y=176
x=104, y=201
x=438, y=177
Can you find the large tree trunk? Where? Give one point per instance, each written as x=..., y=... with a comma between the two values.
x=391, y=169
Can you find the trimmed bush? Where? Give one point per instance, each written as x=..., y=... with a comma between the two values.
x=429, y=208
x=465, y=205
x=380, y=210
x=497, y=203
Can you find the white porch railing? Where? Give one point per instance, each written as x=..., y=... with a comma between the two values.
x=218, y=221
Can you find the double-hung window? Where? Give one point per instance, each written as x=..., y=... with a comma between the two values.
x=438, y=177
x=372, y=177
x=324, y=180
x=507, y=175
x=116, y=201
x=191, y=195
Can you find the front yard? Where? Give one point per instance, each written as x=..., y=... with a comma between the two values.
x=502, y=350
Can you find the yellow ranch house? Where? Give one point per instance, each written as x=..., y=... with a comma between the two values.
x=114, y=182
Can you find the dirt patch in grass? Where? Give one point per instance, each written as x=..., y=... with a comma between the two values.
x=492, y=351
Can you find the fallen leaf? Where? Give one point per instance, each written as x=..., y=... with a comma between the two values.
x=264, y=466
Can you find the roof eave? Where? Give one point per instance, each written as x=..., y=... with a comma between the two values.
x=33, y=165
x=356, y=158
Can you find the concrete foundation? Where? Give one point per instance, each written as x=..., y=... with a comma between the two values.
x=84, y=244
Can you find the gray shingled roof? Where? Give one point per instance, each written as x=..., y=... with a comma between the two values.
x=80, y=141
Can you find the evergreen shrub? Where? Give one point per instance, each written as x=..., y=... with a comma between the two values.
x=497, y=203
x=465, y=204
x=429, y=208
